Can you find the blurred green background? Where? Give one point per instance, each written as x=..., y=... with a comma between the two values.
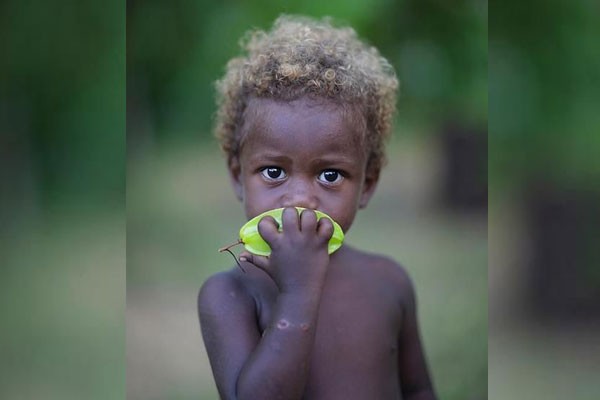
x=106, y=159
x=69, y=74
x=429, y=212
x=62, y=205
x=544, y=208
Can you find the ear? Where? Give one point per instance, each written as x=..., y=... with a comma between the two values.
x=235, y=176
x=369, y=185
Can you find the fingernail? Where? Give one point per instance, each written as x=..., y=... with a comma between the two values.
x=243, y=259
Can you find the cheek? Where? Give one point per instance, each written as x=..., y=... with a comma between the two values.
x=257, y=201
x=344, y=214
x=345, y=221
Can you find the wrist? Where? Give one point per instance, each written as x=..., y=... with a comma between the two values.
x=296, y=311
x=300, y=297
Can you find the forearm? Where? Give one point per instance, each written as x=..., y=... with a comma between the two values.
x=279, y=366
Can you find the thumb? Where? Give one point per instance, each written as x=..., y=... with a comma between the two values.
x=258, y=261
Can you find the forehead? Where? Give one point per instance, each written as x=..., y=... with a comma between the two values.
x=303, y=124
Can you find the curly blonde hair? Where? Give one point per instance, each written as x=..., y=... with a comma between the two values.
x=301, y=56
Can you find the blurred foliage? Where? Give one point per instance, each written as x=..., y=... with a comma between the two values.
x=439, y=51
x=62, y=101
x=544, y=78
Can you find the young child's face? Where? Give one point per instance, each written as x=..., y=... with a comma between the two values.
x=304, y=153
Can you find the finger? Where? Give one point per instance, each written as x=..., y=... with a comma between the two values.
x=258, y=261
x=290, y=219
x=325, y=228
x=308, y=221
x=268, y=229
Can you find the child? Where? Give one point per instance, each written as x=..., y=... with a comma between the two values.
x=302, y=120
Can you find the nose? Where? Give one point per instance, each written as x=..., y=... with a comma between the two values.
x=300, y=193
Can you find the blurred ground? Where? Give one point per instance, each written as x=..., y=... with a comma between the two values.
x=532, y=358
x=181, y=210
x=62, y=301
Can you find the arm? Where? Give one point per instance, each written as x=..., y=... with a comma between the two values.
x=412, y=366
x=245, y=364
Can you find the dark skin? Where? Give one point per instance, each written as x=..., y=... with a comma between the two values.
x=302, y=324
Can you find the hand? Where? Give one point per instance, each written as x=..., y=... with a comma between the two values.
x=299, y=257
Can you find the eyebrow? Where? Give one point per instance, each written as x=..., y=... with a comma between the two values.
x=335, y=161
x=343, y=163
x=265, y=157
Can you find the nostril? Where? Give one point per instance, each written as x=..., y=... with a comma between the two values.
x=304, y=203
x=301, y=201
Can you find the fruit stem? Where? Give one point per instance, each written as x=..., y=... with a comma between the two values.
x=222, y=249
x=226, y=248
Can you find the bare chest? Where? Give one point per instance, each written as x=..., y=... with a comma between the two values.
x=356, y=338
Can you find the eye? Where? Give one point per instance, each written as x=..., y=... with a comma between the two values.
x=330, y=176
x=273, y=173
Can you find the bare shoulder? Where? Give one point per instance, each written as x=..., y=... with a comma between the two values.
x=222, y=290
x=385, y=273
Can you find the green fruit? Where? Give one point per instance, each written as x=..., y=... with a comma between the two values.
x=255, y=244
